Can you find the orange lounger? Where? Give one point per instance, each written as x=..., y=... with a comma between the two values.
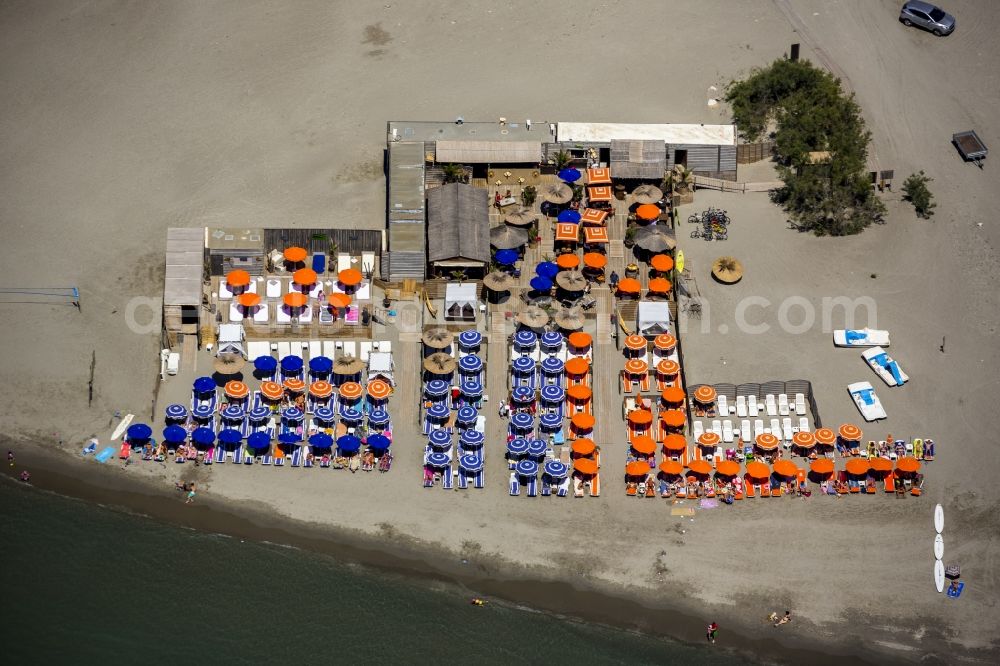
x=748, y=485
x=889, y=483
x=595, y=485
x=765, y=489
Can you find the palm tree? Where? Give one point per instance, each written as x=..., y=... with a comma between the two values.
x=453, y=173
x=563, y=159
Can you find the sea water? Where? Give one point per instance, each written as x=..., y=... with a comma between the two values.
x=87, y=584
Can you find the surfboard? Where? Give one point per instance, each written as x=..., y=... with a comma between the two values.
x=939, y=575
x=122, y=425
x=938, y=547
x=679, y=261
x=939, y=519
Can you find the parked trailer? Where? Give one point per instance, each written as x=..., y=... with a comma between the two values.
x=970, y=146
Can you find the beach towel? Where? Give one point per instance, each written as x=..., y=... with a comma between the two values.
x=105, y=454
x=955, y=594
x=681, y=511
x=708, y=503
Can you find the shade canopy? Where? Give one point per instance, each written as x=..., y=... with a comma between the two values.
x=321, y=389
x=517, y=446
x=379, y=389
x=436, y=387
x=579, y=392
x=668, y=367
x=347, y=365
x=648, y=211
x=850, y=432
x=265, y=364
x=661, y=262
x=665, y=342
x=292, y=414
x=349, y=277
x=321, y=364
x=570, y=175
x=654, y=238
x=206, y=436
x=139, y=431
x=498, y=281
x=551, y=340
x=291, y=364
x=378, y=442
x=533, y=317
x=547, y=269
x=248, y=300
x=709, y=438
x=583, y=421
x=637, y=468
x=227, y=436
x=585, y=466
x=237, y=390
x=557, y=193
x=204, y=385
x=660, y=286
x=539, y=283
x=472, y=438
x=320, y=440
x=437, y=459
x=825, y=436
x=599, y=193
x=570, y=319
x=378, y=417
x=629, y=286
x=295, y=255
x=176, y=411
x=520, y=217
x=233, y=413
x=527, y=467
x=507, y=257
x=304, y=277
x=553, y=393
x=674, y=443
x=767, y=441
x=803, y=439
x=523, y=365
x=467, y=414
x=758, y=470
x=339, y=300
x=785, y=468
x=599, y=176
x=583, y=446
x=580, y=340
x=593, y=216
x=727, y=270
x=438, y=411
x=822, y=466
x=295, y=299
x=271, y=390
x=504, y=237
x=537, y=447
x=550, y=421
x=705, y=394
x=439, y=438
x=673, y=418
x=261, y=413
x=647, y=194
x=295, y=385
x=289, y=437
x=174, y=434
x=471, y=389
x=578, y=365
x=635, y=342
x=644, y=444
x=727, y=468
x=471, y=463
x=238, y=278
x=671, y=467
x=437, y=338
x=636, y=366
x=857, y=466
x=673, y=395
x=348, y=443
x=556, y=469
x=595, y=260
x=569, y=215
x=350, y=390
x=700, y=467
x=571, y=280
x=470, y=338
x=440, y=363
x=522, y=421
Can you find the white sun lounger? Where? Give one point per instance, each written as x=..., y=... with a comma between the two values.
x=262, y=314
x=723, y=405
x=343, y=261
x=315, y=348
x=758, y=428
x=284, y=349
x=717, y=427
x=273, y=288
x=786, y=428
x=776, y=428
x=235, y=312
x=804, y=424
x=770, y=405
x=351, y=348
x=782, y=404
x=862, y=337
x=699, y=430
x=329, y=349
x=741, y=406
x=745, y=432
x=368, y=263
x=727, y=431
x=282, y=315
x=752, y=408
x=800, y=404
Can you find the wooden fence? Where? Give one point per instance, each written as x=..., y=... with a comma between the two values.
x=704, y=182
x=748, y=153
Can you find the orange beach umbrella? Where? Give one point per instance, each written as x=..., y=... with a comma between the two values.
x=378, y=389
x=822, y=466
x=304, y=277
x=629, y=286
x=907, y=464
x=579, y=392
x=237, y=278
x=644, y=444
x=598, y=176
x=674, y=443
x=671, y=467
x=850, y=432
x=349, y=277
x=648, y=211
x=595, y=235
x=350, y=390
x=767, y=441
x=583, y=446
x=637, y=468
x=709, y=438
x=804, y=439
x=661, y=263
x=582, y=421
x=660, y=286
x=785, y=468
x=825, y=436
x=339, y=300
x=640, y=417
x=665, y=342
x=635, y=342
x=577, y=365
x=700, y=467
x=704, y=394
x=857, y=466
x=321, y=389
x=271, y=390
x=880, y=464
x=568, y=233
x=585, y=466
x=757, y=470
x=237, y=390
x=580, y=340
x=668, y=366
x=593, y=216
x=636, y=366
x=595, y=260
x=295, y=385
x=727, y=468
x=673, y=418
x=673, y=395
x=248, y=300
x=599, y=193
x=295, y=254
x=295, y=299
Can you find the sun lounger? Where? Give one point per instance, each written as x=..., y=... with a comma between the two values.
x=864, y=337
x=770, y=405
x=577, y=487
x=749, y=487
x=284, y=349
x=764, y=489
x=366, y=350
x=723, y=405
x=220, y=455
x=752, y=408
x=776, y=428
x=804, y=424
x=273, y=288
x=447, y=478
x=800, y=404
x=532, y=486
x=758, y=428
x=782, y=404
x=595, y=485
x=786, y=428
x=727, y=431
x=745, y=432
x=563, y=487
x=266, y=459
x=546, y=487
x=741, y=406
x=463, y=480
x=297, y=457
x=698, y=430
x=247, y=458
x=515, y=486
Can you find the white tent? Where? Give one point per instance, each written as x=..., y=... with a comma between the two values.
x=380, y=365
x=461, y=301
x=653, y=318
x=231, y=340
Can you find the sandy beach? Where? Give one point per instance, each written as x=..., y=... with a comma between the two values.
x=120, y=121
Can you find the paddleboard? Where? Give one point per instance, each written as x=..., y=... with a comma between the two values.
x=122, y=425
x=939, y=575
x=939, y=519
x=938, y=547
x=679, y=261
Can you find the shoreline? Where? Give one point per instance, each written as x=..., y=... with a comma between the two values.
x=533, y=588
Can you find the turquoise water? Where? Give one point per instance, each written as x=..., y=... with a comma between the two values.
x=83, y=584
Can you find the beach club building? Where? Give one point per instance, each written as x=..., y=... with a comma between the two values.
x=510, y=156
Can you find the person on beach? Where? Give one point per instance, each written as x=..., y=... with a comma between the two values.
x=26, y=476
x=190, y=497
x=713, y=631
x=785, y=620
x=10, y=458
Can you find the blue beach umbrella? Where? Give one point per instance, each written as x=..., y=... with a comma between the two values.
x=259, y=413
x=568, y=215
x=375, y=417
x=291, y=363
x=379, y=442
x=259, y=440
x=174, y=434
x=570, y=175
x=551, y=339
x=472, y=438
x=320, y=440
x=437, y=459
x=470, y=338
x=233, y=413
x=552, y=365
x=556, y=469
x=470, y=363
x=553, y=393
x=522, y=394
x=507, y=257
x=471, y=389
x=539, y=283
x=266, y=365
x=438, y=411
x=205, y=436
x=537, y=447
x=550, y=421
x=439, y=438
x=228, y=436
x=470, y=463
x=527, y=467
x=324, y=414
x=517, y=447
x=436, y=387
x=321, y=365
x=467, y=414
x=202, y=412
x=204, y=385
x=351, y=415
x=547, y=269
x=523, y=365
x=176, y=412
x=139, y=431
x=522, y=421
x=292, y=414
x=289, y=437
x=525, y=338
x=348, y=443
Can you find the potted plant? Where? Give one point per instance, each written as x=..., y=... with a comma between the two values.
x=629, y=237
x=454, y=173
x=563, y=159
x=528, y=196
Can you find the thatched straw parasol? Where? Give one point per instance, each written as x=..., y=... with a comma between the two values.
x=654, y=238
x=228, y=364
x=533, y=317
x=438, y=338
x=570, y=319
x=439, y=363
x=571, y=280
x=647, y=194
x=497, y=281
x=505, y=237
x=521, y=217
x=727, y=270
x=348, y=365
x=557, y=193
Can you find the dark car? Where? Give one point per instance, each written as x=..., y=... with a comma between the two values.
x=928, y=17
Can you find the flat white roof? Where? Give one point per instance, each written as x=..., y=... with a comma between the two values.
x=702, y=135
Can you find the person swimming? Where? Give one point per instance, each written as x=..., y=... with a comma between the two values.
x=476, y=601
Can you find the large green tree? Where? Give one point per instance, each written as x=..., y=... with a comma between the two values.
x=810, y=114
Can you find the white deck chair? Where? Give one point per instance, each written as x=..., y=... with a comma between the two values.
x=758, y=427
x=804, y=424
x=800, y=404
x=727, y=431
x=273, y=289
x=281, y=315
x=351, y=348
x=745, y=431
x=776, y=428
x=306, y=316
x=284, y=349
x=723, y=406
x=368, y=262
x=338, y=348
x=315, y=348
x=752, y=409
x=770, y=405
x=343, y=261
x=235, y=312
x=366, y=350
x=263, y=314
x=782, y=404
x=386, y=346
x=741, y=406
x=717, y=427
x=329, y=349
x=786, y=428
x=699, y=430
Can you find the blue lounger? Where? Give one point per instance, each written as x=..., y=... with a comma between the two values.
x=220, y=454
x=446, y=478
x=546, y=488
x=297, y=456
x=479, y=480
x=532, y=486
x=463, y=479
x=266, y=459
x=564, y=487
x=515, y=487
